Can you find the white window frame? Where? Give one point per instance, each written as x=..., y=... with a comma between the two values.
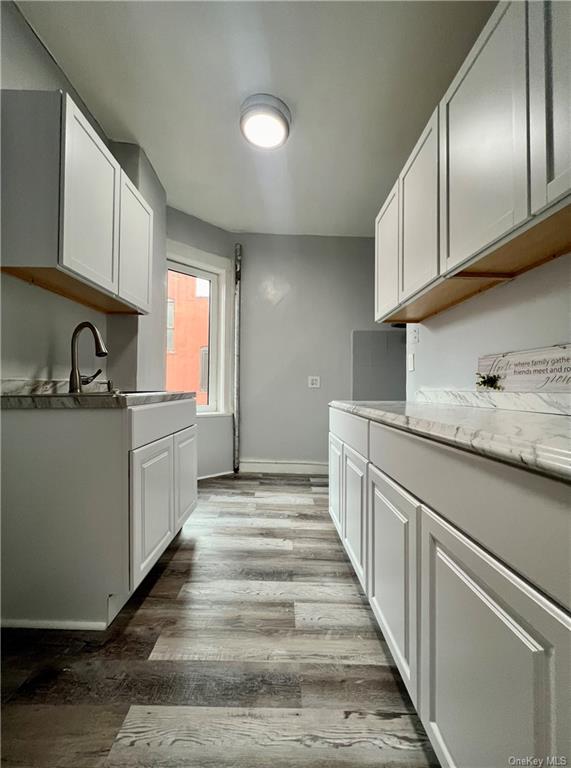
x=213, y=334
x=181, y=257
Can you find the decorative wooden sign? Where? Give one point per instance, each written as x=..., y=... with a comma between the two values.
x=547, y=369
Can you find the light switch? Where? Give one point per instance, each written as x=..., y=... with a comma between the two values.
x=411, y=361
x=314, y=382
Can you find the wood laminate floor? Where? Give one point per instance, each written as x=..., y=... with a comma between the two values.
x=250, y=645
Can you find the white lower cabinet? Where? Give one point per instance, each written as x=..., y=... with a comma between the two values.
x=484, y=654
x=335, y=461
x=185, y=474
x=354, y=510
x=495, y=657
x=152, y=511
x=392, y=535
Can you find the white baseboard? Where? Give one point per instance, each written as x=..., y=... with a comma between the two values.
x=52, y=624
x=284, y=467
x=217, y=474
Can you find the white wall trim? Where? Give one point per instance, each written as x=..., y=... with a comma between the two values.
x=284, y=467
x=217, y=474
x=52, y=624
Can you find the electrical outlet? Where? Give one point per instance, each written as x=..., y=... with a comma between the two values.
x=314, y=382
x=413, y=335
x=411, y=361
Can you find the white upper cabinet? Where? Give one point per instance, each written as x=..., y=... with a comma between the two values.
x=387, y=254
x=135, y=246
x=419, y=213
x=90, y=206
x=71, y=221
x=483, y=140
x=550, y=101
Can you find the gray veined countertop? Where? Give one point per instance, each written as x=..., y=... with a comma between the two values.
x=535, y=441
x=89, y=399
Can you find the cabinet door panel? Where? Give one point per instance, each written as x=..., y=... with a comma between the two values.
x=185, y=474
x=335, y=501
x=354, y=510
x=90, y=209
x=550, y=101
x=419, y=213
x=387, y=255
x=483, y=140
x=495, y=656
x=151, y=504
x=135, y=246
x=392, y=582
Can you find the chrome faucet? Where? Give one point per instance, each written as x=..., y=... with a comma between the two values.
x=76, y=380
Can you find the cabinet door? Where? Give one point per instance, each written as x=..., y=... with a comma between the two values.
x=550, y=101
x=185, y=474
x=387, y=255
x=90, y=204
x=495, y=657
x=483, y=140
x=335, y=501
x=354, y=510
x=135, y=246
x=419, y=213
x=393, y=516
x=152, y=520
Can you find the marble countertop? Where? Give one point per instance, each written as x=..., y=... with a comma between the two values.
x=536, y=441
x=99, y=399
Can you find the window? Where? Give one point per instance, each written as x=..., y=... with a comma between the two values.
x=204, y=369
x=170, y=325
x=192, y=321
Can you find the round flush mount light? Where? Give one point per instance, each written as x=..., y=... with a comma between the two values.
x=265, y=121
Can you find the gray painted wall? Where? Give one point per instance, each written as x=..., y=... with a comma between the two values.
x=302, y=298
x=534, y=310
x=37, y=324
x=188, y=229
x=378, y=366
x=215, y=432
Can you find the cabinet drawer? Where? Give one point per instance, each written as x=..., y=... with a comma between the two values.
x=516, y=515
x=351, y=430
x=495, y=657
x=151, y=422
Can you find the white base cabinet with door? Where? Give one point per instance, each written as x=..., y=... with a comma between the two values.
x=484, y=650
x=495, y=657
x=335, y=470
x=354, y=509
x=152, y=504
x=72, y=221
x=392, y=542
x=107, y=506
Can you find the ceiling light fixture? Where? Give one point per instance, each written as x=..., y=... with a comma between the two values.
x=265, y=121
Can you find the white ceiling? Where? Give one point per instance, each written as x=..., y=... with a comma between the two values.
x=361, y=80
